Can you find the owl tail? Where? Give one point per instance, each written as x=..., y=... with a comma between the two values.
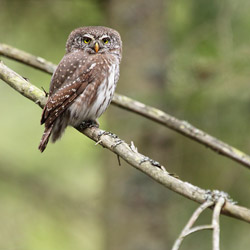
x=45, y=139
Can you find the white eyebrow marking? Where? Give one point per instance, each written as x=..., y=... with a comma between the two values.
x=104, y=36
x=89, y=36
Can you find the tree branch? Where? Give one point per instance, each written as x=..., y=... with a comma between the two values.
x=22, y=85
x=151, y=113
x=27, y=58
x=127, y=152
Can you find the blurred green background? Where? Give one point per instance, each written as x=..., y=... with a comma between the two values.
x=188, y=58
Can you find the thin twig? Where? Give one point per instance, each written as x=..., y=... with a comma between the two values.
x=151, y=113
x=134, y=158
x=188, y=228
x=216, y=223
x=199, y=228
x=119, y=160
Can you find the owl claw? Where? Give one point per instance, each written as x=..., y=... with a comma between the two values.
x=89, y=124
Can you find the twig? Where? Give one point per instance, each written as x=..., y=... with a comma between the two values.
x=151, y=113
x=188, y=228
x=215, y=226
x=199, y=228
x=135, y=159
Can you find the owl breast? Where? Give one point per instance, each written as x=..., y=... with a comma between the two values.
x=96, y=97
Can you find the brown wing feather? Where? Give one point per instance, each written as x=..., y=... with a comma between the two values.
x=60, y=101
x=67, y=67
x=68, y=82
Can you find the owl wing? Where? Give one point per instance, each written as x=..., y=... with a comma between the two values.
x=68, y=82
x=60, y=101
x=67, y=67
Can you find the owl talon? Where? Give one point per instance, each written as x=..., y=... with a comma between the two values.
x=114, y=136
x=89, y=124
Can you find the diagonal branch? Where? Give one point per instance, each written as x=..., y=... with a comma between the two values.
x=26, y=58
x=126, y=152
x=182, y=127
x=151, y=113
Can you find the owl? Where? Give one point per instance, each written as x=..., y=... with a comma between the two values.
x=84, y=82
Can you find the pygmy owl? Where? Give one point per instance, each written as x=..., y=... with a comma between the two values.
x=84, y=82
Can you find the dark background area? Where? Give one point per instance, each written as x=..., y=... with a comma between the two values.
x=189, y=58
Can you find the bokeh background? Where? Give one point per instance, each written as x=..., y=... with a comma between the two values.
x=188, y=58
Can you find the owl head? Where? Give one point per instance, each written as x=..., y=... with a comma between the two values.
x=95, y=39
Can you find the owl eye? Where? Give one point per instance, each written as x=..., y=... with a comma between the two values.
x=86, y=40
x=105, y=40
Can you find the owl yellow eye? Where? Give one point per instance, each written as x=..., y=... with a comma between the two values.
x=105, y=40
x=86, y=40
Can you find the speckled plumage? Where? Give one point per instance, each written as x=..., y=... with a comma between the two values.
x=84, y=82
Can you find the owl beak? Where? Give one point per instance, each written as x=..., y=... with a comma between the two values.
x=96, y=47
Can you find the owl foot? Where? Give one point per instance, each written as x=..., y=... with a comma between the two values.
x=89, y=124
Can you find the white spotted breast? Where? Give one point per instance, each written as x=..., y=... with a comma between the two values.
x=97, y=95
